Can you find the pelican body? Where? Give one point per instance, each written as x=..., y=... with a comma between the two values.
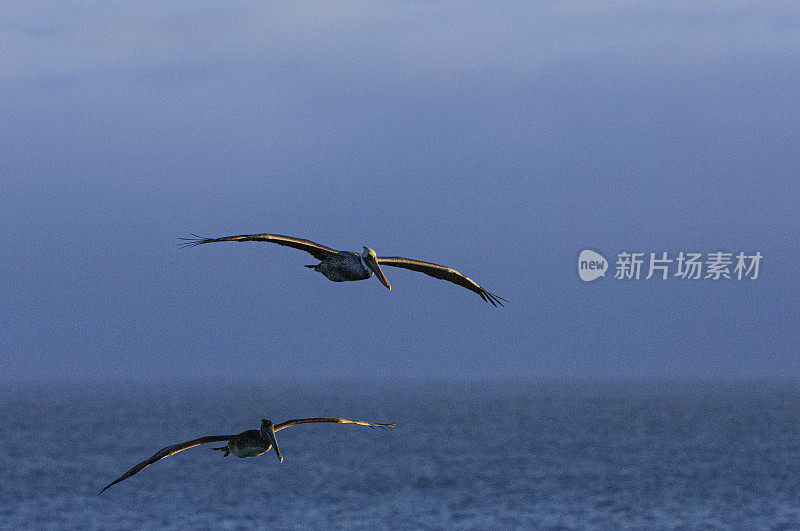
x=345, y=266
x=252, y=443
x=249, y=443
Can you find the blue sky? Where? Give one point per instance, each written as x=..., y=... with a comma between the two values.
x=499, y=139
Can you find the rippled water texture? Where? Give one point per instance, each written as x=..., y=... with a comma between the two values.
x=571, y=456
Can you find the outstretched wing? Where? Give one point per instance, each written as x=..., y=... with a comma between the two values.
x=166, y=452
x=443, y=273
x=294, y=422
x=320, y=252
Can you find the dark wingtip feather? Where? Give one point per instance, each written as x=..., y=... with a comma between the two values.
x=488, y=297
x=194, y=241
x=494, y=298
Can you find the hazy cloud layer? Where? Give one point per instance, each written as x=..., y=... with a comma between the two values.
x=498, y=139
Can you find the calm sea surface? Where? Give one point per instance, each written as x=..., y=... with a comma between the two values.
x=510, y=456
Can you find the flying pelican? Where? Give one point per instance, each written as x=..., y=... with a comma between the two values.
x=342, y=266
x=249, y=443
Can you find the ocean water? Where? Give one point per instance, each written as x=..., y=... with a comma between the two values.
x=569, y=456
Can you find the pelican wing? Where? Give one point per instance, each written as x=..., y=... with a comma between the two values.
x=443, y=273
x=294, y=422
x=320, y=252
x=166, y=452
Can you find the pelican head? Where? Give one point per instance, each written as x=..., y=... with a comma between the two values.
x=371, y=259
x=268, y=431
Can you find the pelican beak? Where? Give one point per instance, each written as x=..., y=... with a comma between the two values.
x=269, y=431
x=372, y=262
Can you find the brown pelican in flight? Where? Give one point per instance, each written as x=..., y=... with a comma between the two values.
x=250, y=443
x=341, y=266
